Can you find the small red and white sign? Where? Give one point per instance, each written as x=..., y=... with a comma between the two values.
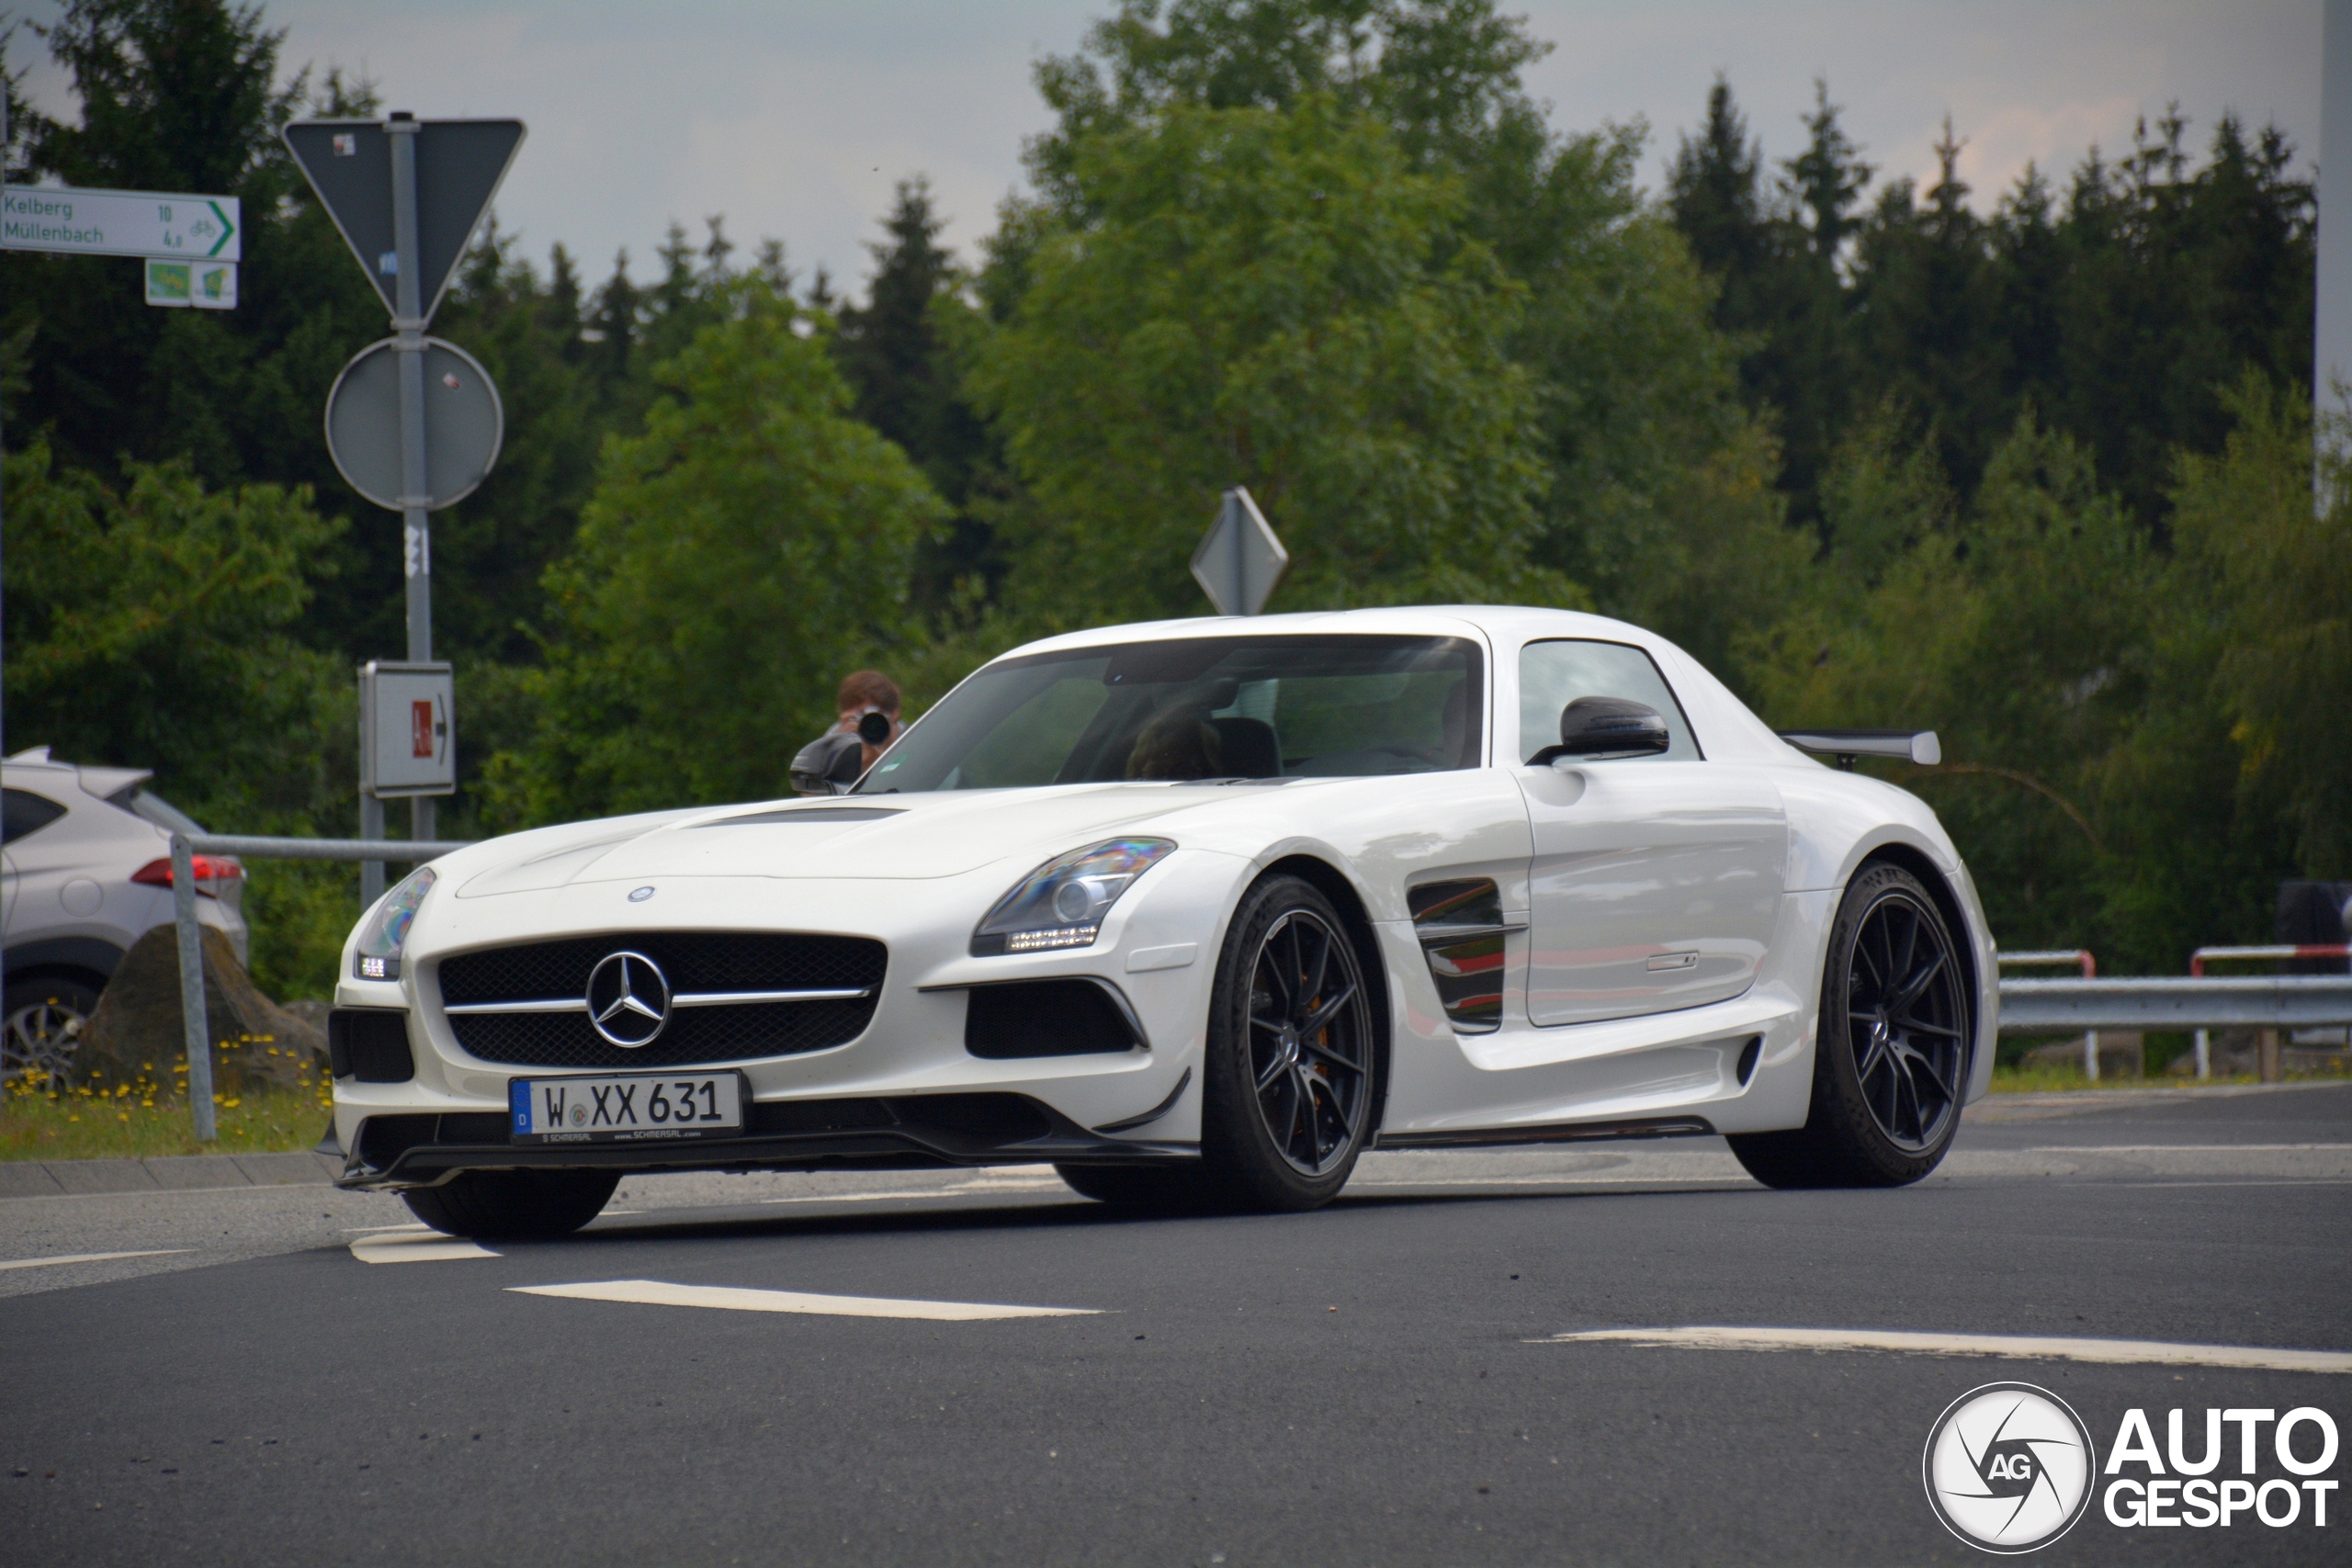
x=409, y=733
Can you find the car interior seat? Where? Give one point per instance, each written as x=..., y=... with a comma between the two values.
x=1247, y=748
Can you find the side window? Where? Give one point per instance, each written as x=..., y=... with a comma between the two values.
x=28, y=813
x=1554, y=675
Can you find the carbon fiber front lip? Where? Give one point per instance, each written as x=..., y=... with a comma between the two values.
x=427, y=1165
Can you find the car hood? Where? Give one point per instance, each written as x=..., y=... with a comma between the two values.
x=892, y=837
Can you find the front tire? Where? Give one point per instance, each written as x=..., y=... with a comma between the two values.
x=1288, y=1094
x=1890, y=1054
x=513, y=1206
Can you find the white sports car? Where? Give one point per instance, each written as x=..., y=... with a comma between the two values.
x=1198, y=911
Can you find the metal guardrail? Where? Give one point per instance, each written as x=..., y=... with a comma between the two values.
x=197, y=1030
x=2073, y=957
x=405, y=851
x=2204, y=955
x=2283, y=1001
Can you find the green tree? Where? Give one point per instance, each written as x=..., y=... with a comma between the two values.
x=733, y=557
x=1273, y=298
x=1647, y=463
x=2266, y=607
x=153, y=624
x=894, y=353
x=1442, y=75
x=184, y=95
x=1775, y=256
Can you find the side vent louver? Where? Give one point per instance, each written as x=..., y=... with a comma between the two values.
x=1461, y=930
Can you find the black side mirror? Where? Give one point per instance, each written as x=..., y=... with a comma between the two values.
x=1601, y=727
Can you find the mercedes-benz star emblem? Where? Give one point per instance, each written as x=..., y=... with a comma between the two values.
x=628, y=1000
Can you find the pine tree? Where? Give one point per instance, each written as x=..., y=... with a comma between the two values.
x=890, y=352
x=1827, y=178
x=1926, y=303
x=1716, y=198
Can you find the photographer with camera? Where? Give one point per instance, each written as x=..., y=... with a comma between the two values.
x=869, y=705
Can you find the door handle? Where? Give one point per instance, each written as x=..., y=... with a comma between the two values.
x=1673, y=961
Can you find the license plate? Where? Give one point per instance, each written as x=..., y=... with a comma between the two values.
x=632, y=1108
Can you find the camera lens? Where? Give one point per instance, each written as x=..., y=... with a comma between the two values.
x=873, y=728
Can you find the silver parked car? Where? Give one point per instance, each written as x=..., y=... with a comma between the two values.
x=86, y=871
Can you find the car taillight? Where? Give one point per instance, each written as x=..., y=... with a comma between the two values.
x=208, y=868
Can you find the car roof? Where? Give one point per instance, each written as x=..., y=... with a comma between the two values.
x=33, y=768
x=1500, y=623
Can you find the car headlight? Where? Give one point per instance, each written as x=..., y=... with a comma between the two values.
x=1061, y=904
x=385, y=927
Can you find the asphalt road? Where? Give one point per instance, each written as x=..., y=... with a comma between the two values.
x=1374, y=1383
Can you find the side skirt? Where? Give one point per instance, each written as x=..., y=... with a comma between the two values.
x=1551, y=1132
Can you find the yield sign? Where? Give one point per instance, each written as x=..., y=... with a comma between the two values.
x=1240, y=559
x=459, y=163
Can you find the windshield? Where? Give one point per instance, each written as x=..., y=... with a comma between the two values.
x=1200, y=708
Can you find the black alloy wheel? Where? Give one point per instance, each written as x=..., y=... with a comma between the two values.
x=1903, y=1015
x=44, y=1018
x=1310, y=1041
x=1292, y=1052
x=1893, y=1048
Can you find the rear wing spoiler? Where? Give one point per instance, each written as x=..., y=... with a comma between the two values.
x=1918, y=746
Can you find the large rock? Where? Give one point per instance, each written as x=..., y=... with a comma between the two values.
x=136, y=1032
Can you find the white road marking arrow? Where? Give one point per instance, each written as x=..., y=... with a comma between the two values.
x=418, y=1246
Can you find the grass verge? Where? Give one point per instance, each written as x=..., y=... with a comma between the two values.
x=37, y=1124
x=2043, y=1079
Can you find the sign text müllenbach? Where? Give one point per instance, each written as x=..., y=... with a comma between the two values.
x=121, y=223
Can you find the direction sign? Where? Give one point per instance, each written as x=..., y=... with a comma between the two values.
x=121, y=223
x=1240, y=559
x=459, y=163
x=464, y=424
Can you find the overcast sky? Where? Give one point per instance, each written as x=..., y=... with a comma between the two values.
x=794, y=118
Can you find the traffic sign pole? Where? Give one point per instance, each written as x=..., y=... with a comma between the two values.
x=408, y=323
x=407, y=196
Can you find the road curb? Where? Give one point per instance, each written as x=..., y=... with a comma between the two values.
x=182, y=1173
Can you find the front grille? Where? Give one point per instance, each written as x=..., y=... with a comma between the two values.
x=691, y=961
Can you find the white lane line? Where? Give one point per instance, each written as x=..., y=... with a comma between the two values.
x=2030, y=1347
x=2234, y=1182
x=419, y=1246
x=91, y=1257
x=2185, y=1148
x=655, y=1293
